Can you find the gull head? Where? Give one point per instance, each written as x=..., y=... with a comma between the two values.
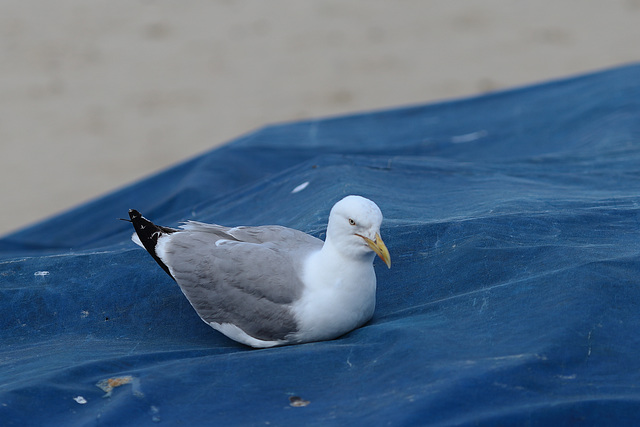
x=354, y=228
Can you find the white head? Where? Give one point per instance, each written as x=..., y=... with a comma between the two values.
x=354, y=228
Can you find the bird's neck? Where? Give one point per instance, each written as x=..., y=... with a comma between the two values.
x=334, y=265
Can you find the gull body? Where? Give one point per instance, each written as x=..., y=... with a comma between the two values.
x=272, y=285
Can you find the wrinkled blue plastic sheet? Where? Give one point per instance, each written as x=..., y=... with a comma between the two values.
x=514, y=298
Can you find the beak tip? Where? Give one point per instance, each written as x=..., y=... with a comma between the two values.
x=387, y=261
x=379, y=248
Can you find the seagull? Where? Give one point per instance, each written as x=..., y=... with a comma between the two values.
x=271, y=285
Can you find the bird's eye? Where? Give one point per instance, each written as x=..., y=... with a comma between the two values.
x=352, y=222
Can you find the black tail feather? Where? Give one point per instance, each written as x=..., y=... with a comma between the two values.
x=149, y=233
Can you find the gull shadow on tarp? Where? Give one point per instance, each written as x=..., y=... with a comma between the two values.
x=513, y=225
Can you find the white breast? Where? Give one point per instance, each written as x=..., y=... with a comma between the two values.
x=339, y=296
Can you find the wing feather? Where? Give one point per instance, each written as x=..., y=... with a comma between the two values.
x=250, y=281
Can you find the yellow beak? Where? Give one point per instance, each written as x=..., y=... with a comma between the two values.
x=379, y=248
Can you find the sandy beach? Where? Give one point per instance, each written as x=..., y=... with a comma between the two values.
x=96, y=95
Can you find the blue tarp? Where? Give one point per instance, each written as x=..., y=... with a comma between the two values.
x=513, y=224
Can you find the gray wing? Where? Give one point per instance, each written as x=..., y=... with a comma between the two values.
x=246, y=276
